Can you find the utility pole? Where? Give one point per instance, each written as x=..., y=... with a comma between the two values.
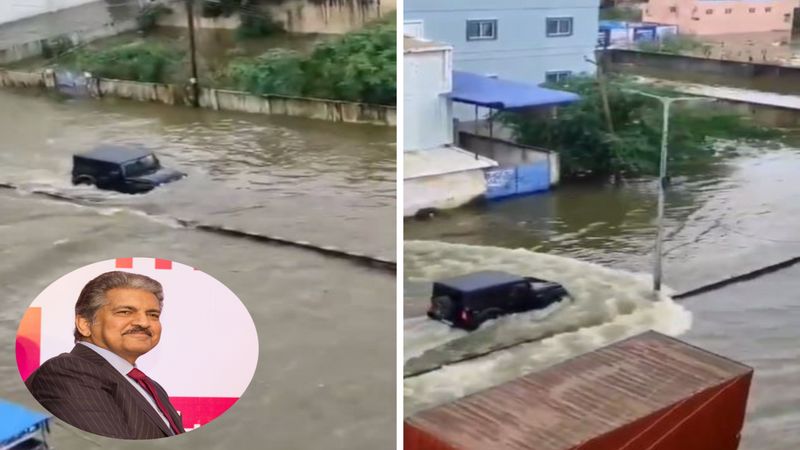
x=193, y=54
x=601, y=81
x=666, y=102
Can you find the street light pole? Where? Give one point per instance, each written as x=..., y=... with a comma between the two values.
x=666, y=102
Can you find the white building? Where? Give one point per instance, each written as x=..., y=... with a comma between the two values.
x=436, y=173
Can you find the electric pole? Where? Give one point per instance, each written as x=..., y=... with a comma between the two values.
x=193, y=54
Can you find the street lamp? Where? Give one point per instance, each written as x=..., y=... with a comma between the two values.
x=666, y=102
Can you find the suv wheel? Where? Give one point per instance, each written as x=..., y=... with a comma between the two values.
x=483, y=316
x=85, y=179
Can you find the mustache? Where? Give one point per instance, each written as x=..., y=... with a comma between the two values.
x=139, y=330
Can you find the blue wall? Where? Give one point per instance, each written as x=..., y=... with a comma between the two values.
x=522, y=179
x=522, y=50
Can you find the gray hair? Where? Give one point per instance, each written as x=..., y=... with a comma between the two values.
x=93, y=295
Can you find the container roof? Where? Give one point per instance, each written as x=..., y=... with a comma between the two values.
x=605, y=391
x=413, y=45
x=16, y=420
x=116, y=153
x=479, y=280
x=496, y=93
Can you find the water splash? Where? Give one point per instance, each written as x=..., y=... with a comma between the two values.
x=606, y=306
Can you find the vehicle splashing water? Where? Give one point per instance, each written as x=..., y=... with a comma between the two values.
x=605, y=306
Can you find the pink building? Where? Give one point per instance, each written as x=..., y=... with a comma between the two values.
x=709, y=17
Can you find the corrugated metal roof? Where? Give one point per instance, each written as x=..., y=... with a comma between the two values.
x=411, y=44
x=580, y=399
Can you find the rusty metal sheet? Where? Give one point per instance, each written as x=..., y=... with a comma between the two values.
x=647, y=392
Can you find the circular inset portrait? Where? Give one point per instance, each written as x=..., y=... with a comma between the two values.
x=132, y=348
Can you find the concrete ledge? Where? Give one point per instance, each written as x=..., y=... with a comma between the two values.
x=442, y=160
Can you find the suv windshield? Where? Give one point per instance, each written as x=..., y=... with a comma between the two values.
x=141, y=166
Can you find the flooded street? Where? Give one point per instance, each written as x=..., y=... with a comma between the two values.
x=732, y=217
x=326, y=374
x=736, y=216
x=331, y=184
x=757, y=323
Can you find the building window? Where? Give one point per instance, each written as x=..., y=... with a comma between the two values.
x=709, y=11
x=752, y=10
x=559, y=26
x=673, y=9
x=767, y=9
x=481, y=30
x=557, y=76
x=728, y=10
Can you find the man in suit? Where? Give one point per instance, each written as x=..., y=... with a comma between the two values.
x=97, y=386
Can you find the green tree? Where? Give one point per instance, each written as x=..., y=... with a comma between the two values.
x=580, y=134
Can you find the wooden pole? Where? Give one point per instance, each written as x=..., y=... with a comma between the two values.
x=193, y=54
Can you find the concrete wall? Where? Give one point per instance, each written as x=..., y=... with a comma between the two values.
x=702, y=17
x=772, y=78
x=509, y=154
x=331, y=110
x=301, y=16
x=95, y=20
x=427, y=110
x=444, y=191
x=21, y=79
x=504, y=152
x=522, y=50
x=11, y=10
x=31, y=49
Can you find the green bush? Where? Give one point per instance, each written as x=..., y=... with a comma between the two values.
x=53, y=48
x=137, y=62
x=148, y=16
x=217, y=8
x=277, y=71
x=360, y=67
x=622, y=13
x=580, y=134
x=256, y=25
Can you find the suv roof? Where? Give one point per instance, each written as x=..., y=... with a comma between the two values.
x=479, y=280
x=115, y=153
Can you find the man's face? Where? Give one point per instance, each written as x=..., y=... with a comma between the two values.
x=128, y=324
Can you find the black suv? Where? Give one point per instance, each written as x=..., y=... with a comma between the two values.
x=469, y=300
x=130, y=170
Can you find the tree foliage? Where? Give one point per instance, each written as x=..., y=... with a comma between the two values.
x=139, y=61
x=255, y=25
x=580, y=134
x=358, y=67
x=148, y=16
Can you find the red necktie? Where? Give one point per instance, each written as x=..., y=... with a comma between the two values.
x=148, y=385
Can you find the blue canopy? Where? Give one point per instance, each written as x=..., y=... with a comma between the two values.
x=16, y=420
x=503, y=94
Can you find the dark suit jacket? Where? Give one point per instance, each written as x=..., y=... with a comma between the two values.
x=84, y=390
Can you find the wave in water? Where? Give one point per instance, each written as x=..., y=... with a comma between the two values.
x=606, y=306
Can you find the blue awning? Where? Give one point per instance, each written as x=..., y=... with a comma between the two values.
x=503, y=94
x=17, y=420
